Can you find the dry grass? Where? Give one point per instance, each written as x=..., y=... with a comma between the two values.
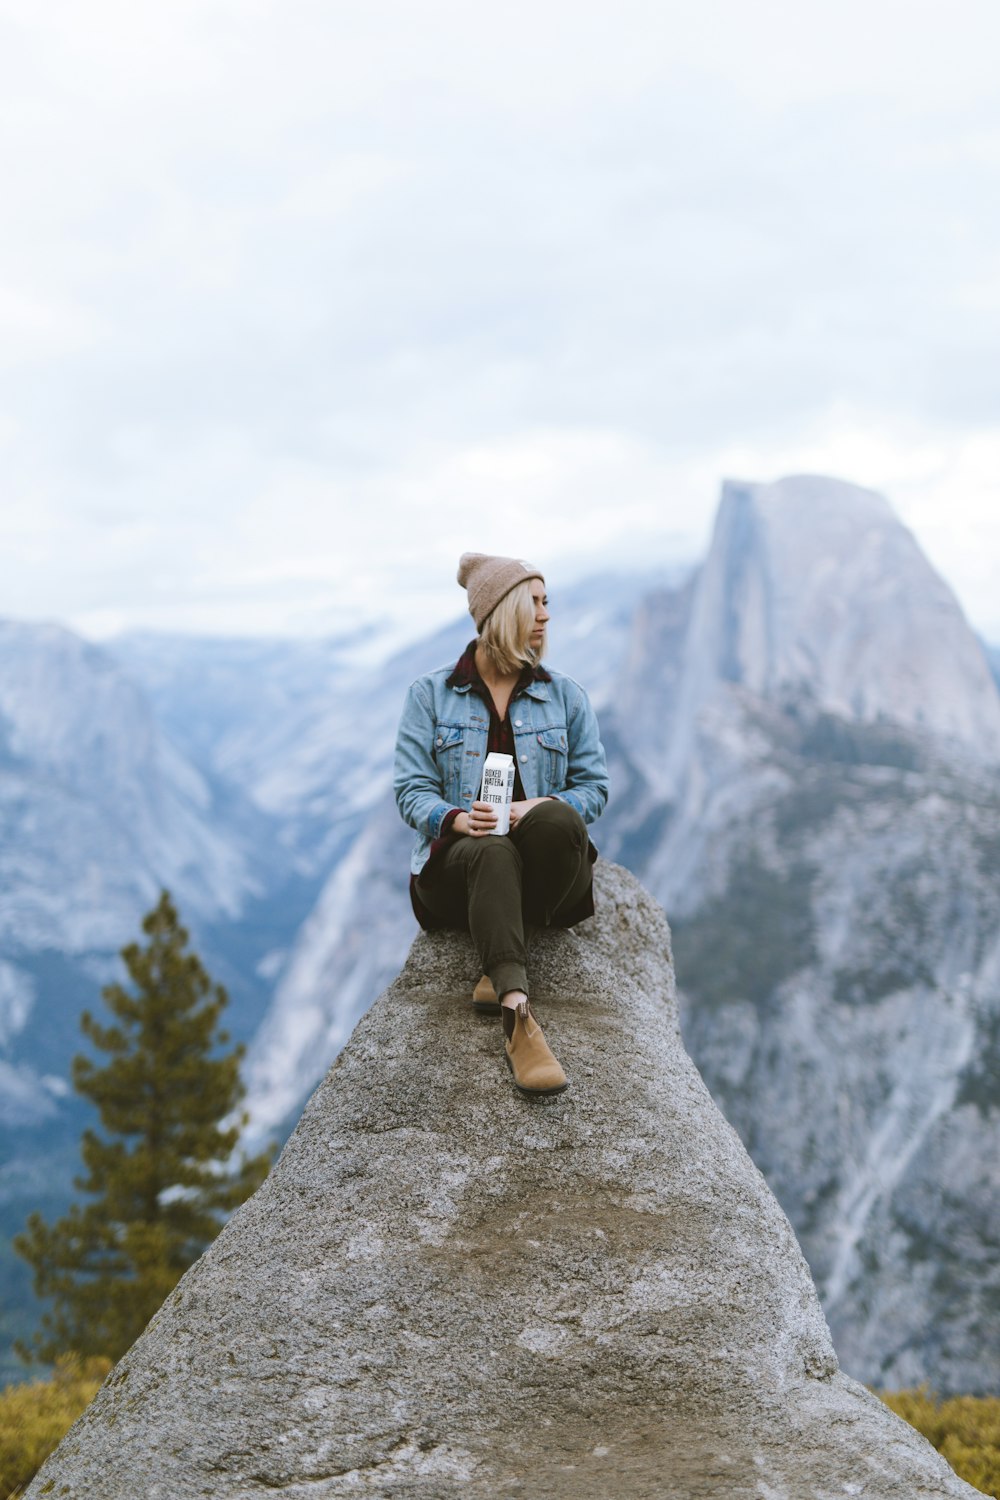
x=965, y=1430
x=35, y=1417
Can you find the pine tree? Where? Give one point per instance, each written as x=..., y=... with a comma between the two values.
x=157, y=1181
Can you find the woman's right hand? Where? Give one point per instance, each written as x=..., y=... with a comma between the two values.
x=481, y=819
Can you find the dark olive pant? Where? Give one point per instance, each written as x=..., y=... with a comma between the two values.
x=498, y=884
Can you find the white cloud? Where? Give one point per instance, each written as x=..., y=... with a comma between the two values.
x=298, y=297
x=309, y=552
x=34, y=331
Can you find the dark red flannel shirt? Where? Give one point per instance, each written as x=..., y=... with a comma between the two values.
x=499, y=741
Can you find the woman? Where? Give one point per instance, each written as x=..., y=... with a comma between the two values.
x=498, y=697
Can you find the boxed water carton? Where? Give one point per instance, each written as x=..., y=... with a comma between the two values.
x=498, y=787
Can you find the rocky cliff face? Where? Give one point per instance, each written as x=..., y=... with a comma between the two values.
x=841, y=997
x=446, y=1289
x=98, y=811
x=97, y=807
x=813, y=594
x=828, y=841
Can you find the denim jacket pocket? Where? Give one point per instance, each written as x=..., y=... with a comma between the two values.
x=448, y=743
x=556, y=746
x=446, y=737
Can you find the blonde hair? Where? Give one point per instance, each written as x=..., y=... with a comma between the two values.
x=505, y=635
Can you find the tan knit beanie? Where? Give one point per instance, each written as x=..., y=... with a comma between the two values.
x=489, y=579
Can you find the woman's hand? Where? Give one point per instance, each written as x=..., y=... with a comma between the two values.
x=518, y=809
x=479, y=820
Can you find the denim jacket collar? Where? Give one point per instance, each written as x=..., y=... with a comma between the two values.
x=538, y=690
x=465, y=675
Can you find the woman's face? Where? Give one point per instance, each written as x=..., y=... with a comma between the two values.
x=537, y=638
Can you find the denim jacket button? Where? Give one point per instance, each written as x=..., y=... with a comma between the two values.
x=517, y=723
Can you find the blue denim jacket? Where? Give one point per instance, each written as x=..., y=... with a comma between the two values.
x=441, y=746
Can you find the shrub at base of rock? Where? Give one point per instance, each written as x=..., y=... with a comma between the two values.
x=965, y=1429
x=35, y=1415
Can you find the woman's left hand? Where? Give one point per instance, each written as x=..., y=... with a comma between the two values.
x=518, y=809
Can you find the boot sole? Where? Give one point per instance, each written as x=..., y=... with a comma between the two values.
x=533, y=1093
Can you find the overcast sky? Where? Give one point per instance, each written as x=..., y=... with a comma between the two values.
x=300, y=300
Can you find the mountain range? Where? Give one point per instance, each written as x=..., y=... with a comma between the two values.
x=803, y=734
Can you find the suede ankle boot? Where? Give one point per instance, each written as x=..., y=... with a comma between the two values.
x=484, y=998
x=529, y=1057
